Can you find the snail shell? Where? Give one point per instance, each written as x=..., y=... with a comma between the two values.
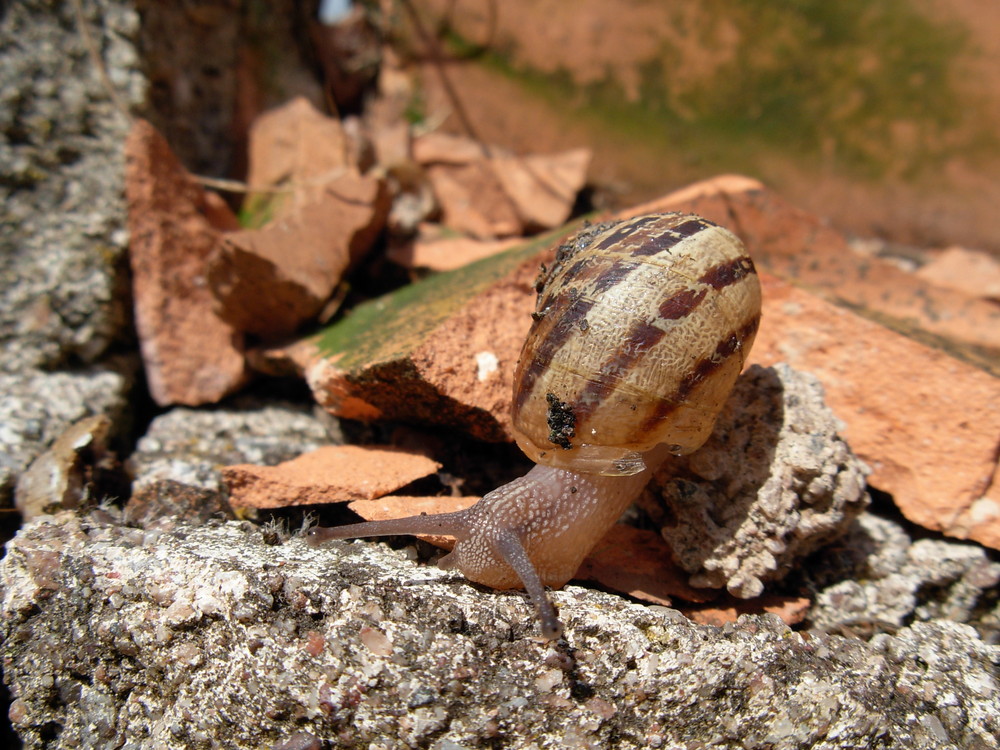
x=641, y=329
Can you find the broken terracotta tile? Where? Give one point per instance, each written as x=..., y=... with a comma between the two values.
x=385, y=116
x=444, y=353
x=443, y=148
x=543, y=187
x=926, y=423
x=488, y=192
x=984, y=514
x=298, y=148
x=791, y=609
x=437, y=250
x=791, y=243
x=637, y=562
x=335, y=473
x=269, y=281
x=473, y=201
x=972, y=272
x=191, y=355
x=401, y=506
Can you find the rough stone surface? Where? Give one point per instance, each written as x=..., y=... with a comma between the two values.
x=62, y=237
x=179, y=632
x=190, y=446
x=773, y=483
x=37, y=407
x=878, y=578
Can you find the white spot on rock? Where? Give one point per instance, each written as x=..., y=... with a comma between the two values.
x=486, y=364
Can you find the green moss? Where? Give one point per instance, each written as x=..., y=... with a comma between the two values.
x=394, y=325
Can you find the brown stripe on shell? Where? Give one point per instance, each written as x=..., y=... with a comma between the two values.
x=641, y=337
x=681, y=304
x=566, y=326
x=640, y=242
x=668, y=238
x=725, y=274
x=701, y=370
x=626, y=230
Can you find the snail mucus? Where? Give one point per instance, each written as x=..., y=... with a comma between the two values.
x=640, y=330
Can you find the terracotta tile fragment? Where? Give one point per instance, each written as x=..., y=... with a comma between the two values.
x=543, y=187
x=443, y=148
x=297, y=147
x=791, y=609
x=437, y=250
x=796, y=245
x=488, y=192
x=473, y=201
x=269, y=281
x=191, y=355
x=446, y=358
x=335, y=473
x=970, y=271
x=926, y=423
x=637, y=562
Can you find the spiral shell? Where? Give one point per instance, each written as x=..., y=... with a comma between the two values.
x=641, y=329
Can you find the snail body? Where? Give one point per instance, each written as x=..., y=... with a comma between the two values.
x=640, y=331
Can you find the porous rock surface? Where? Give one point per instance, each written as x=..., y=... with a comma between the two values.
x=773, y=483
x=189, y=446
x=36, y=407
x=878, y=578
x=61, y=213
x=209, y=636
x=62, y=240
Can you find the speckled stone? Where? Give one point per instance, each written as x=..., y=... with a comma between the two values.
x=182, y=635
x=62, y=236
x=773, y=483
x=878, y=578
x=177, y=464
x=36, y=407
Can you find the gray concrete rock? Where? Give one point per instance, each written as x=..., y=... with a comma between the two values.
x=187, y=446
x=214, y=636
x=176, y=464
x=879, y=579
x=62, y=236
x=37, y=407
x=63, y=296
x=772, y=484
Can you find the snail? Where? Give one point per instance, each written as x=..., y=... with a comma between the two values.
x=640, y=330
